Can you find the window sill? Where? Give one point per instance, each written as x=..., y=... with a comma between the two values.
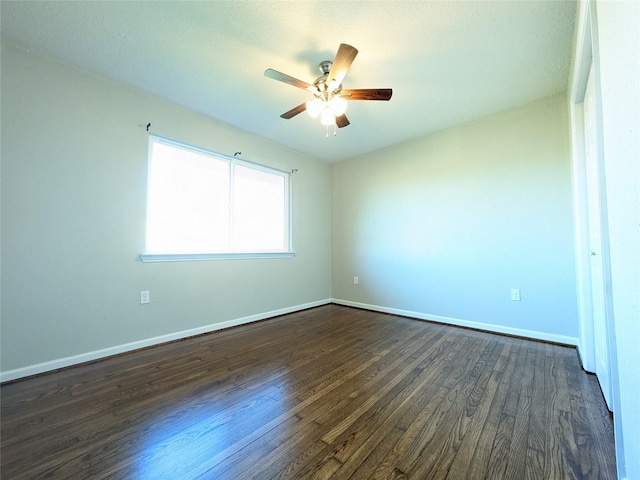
x=197, y=257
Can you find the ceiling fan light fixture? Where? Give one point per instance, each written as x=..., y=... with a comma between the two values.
x=338, y=106
x=327, y=117
x=314, y=107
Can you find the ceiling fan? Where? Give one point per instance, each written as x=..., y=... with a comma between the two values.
x=330, y=99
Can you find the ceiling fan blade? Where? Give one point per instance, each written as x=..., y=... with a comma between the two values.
x=367, y=94
x=341, y=64
x=342, y=121
x=294, y=111
x=283, y=77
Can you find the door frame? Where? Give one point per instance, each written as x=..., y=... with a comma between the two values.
x=594, y=168
x=586, y=55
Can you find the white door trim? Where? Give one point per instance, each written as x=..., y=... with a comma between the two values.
x=597, y=237
x=577, y=89
x=585, y=54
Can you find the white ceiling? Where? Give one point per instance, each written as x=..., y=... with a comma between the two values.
x=448, y=62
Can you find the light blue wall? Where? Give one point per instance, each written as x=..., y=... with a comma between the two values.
x=446, y=225
x=74, y=166
x=442, y=226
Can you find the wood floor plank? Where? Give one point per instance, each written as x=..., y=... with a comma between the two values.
x=452, y=430
x=516, y=465
x=264, y=429
x=331, y=392
x=471, y=460
x=558, y=431
x=341, y=448
x=591, y=423
x=499, y=453
x=314, y=412
x=362, y=437
x=377, y=453
x=418, y=416
x=380, y=388
x=538, y=421
x=424, y=445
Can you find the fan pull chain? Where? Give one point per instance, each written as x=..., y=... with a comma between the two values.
x=335, y=130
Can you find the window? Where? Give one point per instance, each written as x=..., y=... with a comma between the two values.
x=205, y=205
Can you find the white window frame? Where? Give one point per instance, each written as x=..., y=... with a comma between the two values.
x=233, y=161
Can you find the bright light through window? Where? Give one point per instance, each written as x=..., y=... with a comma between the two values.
x=259, y=208
x=200, y=202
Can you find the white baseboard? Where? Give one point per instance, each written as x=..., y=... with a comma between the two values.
x=533, y=334
x=128, y=347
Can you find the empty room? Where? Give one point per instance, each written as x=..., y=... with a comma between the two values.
x=312, y=240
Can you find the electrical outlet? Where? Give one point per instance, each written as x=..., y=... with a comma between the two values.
x=515, y=294
x=355, y=280
x=144, y=297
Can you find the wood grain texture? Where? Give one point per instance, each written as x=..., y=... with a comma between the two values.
x=327, y=393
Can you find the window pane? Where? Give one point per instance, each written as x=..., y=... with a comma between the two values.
x=200, y=202
x=259, y=210
x=187, y=201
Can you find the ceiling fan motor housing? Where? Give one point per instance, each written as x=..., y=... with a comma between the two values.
x=321, y=82
x=325, y=67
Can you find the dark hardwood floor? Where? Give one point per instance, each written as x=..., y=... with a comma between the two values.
x=331, y=392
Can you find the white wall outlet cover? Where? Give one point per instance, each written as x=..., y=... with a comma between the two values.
x=144, y=297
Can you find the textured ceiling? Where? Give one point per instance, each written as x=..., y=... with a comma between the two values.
x=448, y=62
